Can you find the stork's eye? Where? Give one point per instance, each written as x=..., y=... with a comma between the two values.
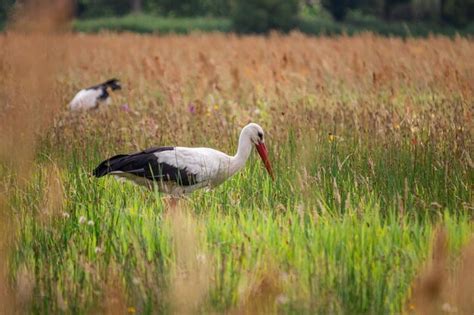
x=260, y=135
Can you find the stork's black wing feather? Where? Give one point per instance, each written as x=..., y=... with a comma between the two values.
x=145, y=164
x=103, y=85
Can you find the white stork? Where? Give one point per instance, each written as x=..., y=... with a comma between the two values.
x=92, y=97
x=181, y=170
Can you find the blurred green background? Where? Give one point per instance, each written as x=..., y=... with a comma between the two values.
x=387, y=17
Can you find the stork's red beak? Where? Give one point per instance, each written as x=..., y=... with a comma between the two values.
x=262, y=151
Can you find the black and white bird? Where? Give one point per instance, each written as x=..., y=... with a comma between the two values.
x=182, y=170
x=92, y=97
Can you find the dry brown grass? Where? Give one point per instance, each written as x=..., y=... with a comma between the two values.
x=114, y=295
x=261, y=291
x=41, y=16
x=445, y=287
x=29, y=60
x=53, y=199
x=6, y=293
x=385, y=88
x=192, y=271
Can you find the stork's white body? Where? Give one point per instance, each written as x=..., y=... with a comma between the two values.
x=211, y=167
x=94, y=96
x=87, y=99
x=196, y=167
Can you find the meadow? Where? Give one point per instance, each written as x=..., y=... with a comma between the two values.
x=370, y=213
x=322, y=24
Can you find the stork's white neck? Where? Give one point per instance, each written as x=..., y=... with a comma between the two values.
x=243, y=153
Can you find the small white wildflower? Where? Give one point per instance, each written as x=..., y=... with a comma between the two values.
x=65, y=215
x=98, y=250
x=136, y=280
x=201, y=258
x=284, y=276
x=282, y=299
x=90, y=222
x=82, y=220
x=448, y=308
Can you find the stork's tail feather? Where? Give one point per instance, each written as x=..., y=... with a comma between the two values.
x=111, y=81
x=107, y=166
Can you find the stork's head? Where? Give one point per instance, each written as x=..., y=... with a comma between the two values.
x=257, y=137
x=114, y=84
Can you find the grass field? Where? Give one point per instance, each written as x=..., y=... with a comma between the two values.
x=370, y=212
x=321, y=24
x=153, y=24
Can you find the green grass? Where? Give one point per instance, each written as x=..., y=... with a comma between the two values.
x=348, y=240
x=356, y=23
x=315, y=25
x=153, y=24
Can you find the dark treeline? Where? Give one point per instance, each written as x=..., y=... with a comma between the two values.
x=96, y=8
x=262, y=15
